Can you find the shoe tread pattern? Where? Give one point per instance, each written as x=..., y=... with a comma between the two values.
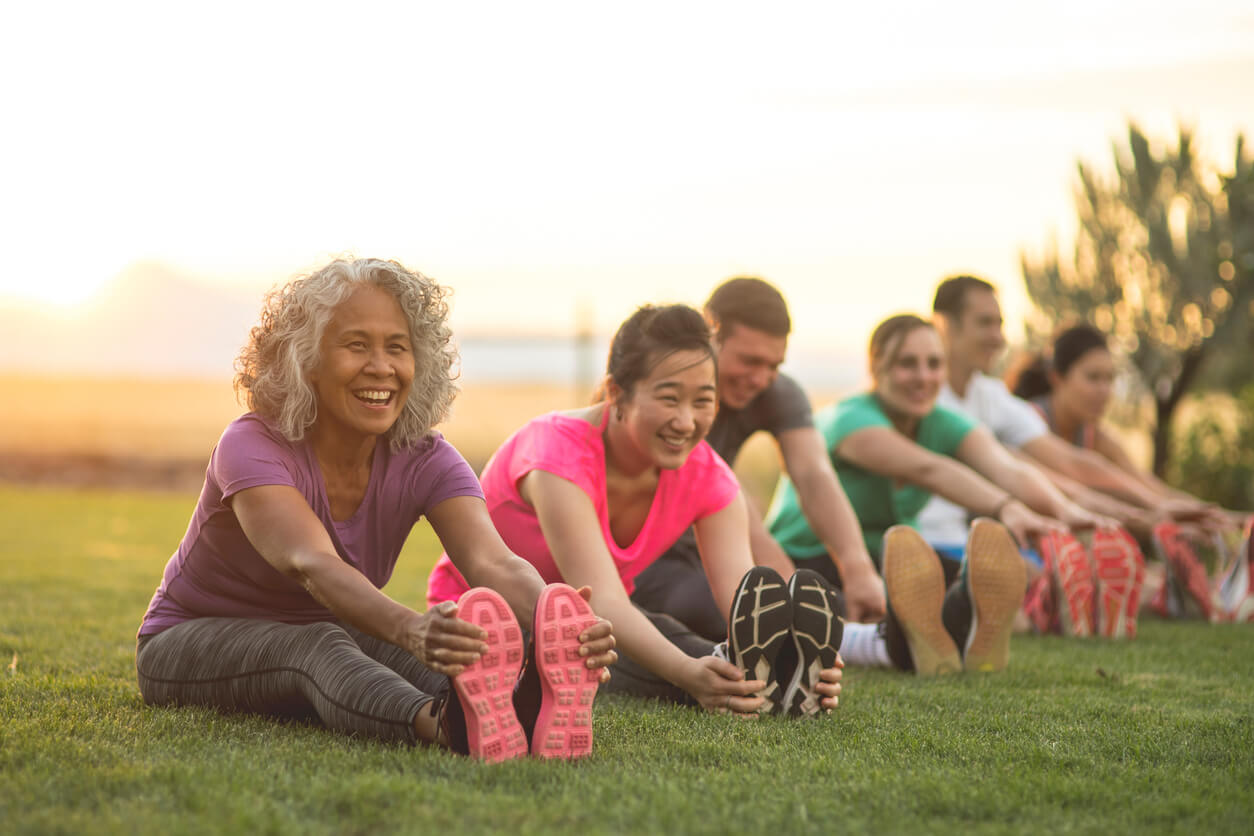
x=567, y=686
x=486, y=686
x=996, y=580
x=760, y=624
x=817, y=629
x=915, y=584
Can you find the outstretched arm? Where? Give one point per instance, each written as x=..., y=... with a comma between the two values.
x=889, y=453
x=471, y=540
x=1089, y=468
x=982, y=452
x=766, y=549
x=573, y=533
x=831, y=517
x=289, y=536
x=1133, y=517
x=725, y=554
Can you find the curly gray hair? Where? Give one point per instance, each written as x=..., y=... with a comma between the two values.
x=272, y=370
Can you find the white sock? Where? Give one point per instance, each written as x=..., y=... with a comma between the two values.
x=863, y=644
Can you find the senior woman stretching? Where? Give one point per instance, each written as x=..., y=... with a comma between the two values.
x=593, y=496
x=272, y=603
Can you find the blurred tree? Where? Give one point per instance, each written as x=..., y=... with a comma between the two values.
x=1214, y=457
x=1164, y=262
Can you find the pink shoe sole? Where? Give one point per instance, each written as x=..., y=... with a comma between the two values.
x=486, y=687
x=568, y=687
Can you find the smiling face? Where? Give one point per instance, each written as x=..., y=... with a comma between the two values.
x=668, y=412
x=365, y=365
x=748, y=362
x=1084, y=391
x=908, y=379
x=975, y=338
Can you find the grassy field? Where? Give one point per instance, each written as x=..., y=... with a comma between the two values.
x=1153, y=736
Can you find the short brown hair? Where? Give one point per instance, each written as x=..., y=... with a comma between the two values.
x=749, y=301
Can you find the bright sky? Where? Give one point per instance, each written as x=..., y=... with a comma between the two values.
x=541, y=156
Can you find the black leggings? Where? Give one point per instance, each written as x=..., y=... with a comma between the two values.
x=630, y=677
x=675, y=584
x=348, y=680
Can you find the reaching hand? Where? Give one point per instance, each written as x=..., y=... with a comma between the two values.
x=442, y=641
x=1025, y=524
x=596, y=643
x=1076, y=517
x=720, y=686
x=864, y=594
x=829, y=684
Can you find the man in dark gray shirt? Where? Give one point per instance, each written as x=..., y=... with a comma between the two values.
x=751, y=326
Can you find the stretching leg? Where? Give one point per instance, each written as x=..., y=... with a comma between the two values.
x=298, y=671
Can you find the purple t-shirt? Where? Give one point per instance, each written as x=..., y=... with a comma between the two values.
x=217, y=572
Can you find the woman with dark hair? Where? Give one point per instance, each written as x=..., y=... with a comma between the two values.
x=893, y=448
x=1071, y=388
x=592, y=496
x=273, y=603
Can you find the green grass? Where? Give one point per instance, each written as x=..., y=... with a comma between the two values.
x=1084, y=737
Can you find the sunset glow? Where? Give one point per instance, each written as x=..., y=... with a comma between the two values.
x=539, y=159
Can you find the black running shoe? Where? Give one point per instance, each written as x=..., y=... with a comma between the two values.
x=759, y=627
x=817, y=626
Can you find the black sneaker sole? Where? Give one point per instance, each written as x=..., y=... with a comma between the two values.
x=760, y=624
x=818, y=625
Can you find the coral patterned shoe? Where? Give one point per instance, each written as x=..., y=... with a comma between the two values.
x=1073, y=582
x=1119, y=574
x=485, y=688
x=567, y=685
x=1189, y=573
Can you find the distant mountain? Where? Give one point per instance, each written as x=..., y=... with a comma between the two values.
x=153, y=320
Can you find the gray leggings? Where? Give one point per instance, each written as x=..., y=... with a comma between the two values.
x=348, y=680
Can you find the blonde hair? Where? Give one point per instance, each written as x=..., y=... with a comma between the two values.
x=272, y=370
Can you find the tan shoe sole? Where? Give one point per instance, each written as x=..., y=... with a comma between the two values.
x=996, y=580
x=916, y=589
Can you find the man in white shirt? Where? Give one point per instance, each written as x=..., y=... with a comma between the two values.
x=968, y=319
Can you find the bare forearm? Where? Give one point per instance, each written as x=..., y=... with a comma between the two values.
x=832, y=519
x=516, y=579
x=767, y=552
x=636, y=636
x=962, y=486
x=1033, y=488
x=352, y=598
x=1095, y=501
x=1104, y=475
